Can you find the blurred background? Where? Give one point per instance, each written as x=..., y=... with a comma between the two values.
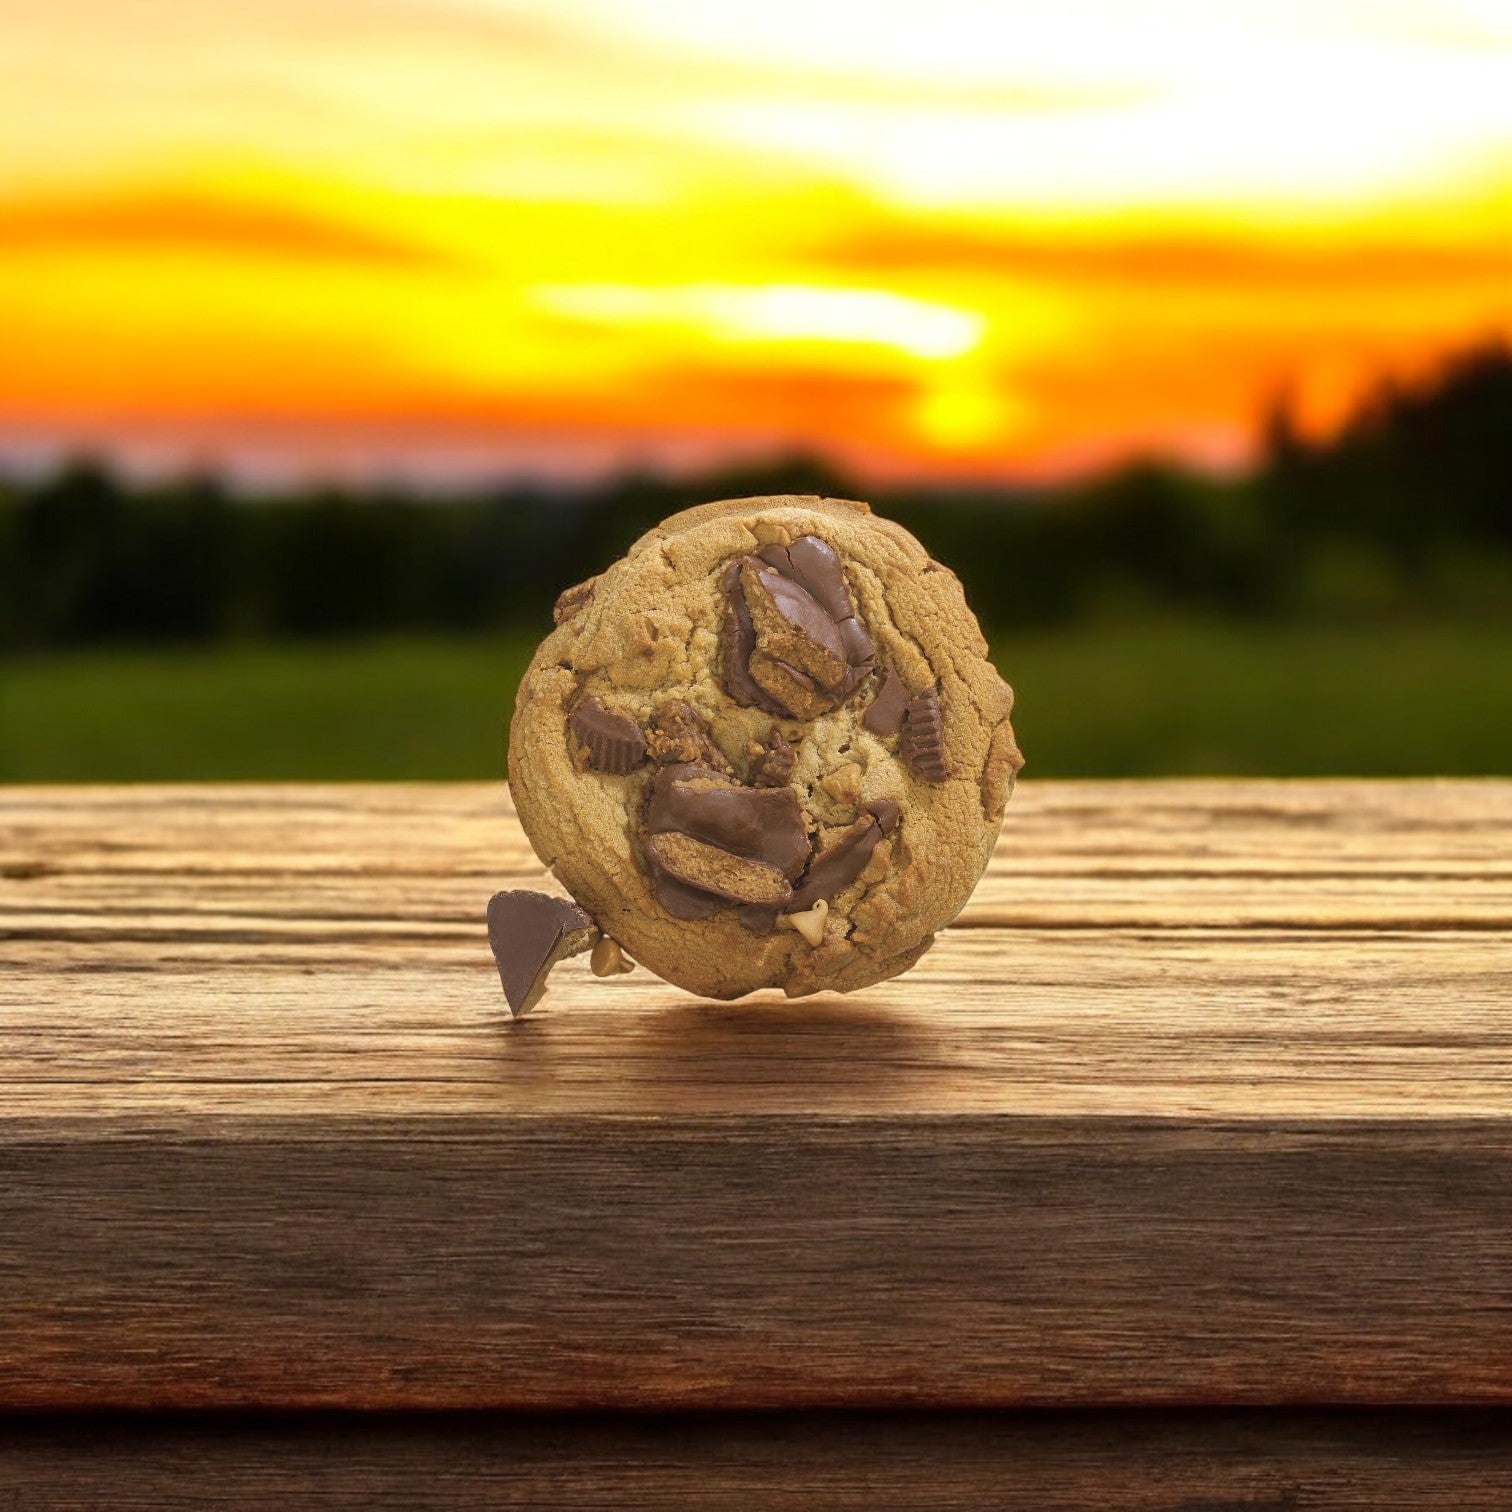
x=338, y=336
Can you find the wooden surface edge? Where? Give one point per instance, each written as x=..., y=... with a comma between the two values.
x=761, y=1262
x=1412, y=1461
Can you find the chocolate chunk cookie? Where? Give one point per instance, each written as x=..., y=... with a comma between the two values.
x=773, y=721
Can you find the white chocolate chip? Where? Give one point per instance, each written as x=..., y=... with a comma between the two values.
x=608, y=959
x=810, y=923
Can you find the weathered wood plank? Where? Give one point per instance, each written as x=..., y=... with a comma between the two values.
x=1152, y=855
x=1053, y=1462
x=1218, y=1107
x=1143, y=1024
x=754, y=1261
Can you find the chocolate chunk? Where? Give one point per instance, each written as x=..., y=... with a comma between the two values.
x=529, y=932
x=884, y=714
x=613, y=741
x=793, y=644
x=717, y=871
x=760, y=824
x=923, y=743
x=572, y=601
x=834, y=868
x=679, y=733
x=773, y=767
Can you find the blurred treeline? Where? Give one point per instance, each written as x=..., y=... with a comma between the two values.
x=1407, y=511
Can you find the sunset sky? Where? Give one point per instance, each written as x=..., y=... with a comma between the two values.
x=955, y=239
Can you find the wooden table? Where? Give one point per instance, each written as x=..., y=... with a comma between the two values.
x=1178, y=1175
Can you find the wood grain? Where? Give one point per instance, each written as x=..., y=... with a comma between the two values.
x=1209, y=1100
x=1051, y=1462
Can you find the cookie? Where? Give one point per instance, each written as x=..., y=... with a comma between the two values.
x=766, y=748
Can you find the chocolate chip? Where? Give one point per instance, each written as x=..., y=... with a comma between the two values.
x=835, y=867
x=923, y=743
x=613, y=741
x=571, y=601
x=773, y=767
x=793, y=644
x=884, y=714
x=529, y=932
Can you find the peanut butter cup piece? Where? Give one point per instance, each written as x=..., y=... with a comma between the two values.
x=923, y=744
x=614, y=742
x=791, y=626
x=793, y=644
x=712, y=869
x=680, y=735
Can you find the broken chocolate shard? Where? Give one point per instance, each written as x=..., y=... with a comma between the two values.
x=529, y=932
x=923, y=744
x=614, y=742
x=884, y=714
x=773, y=767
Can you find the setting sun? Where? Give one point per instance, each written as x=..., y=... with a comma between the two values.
x=957, y=239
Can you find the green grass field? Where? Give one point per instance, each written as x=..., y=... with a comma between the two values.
x=1098, y=701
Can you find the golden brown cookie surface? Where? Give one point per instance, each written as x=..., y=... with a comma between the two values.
x=766, y=704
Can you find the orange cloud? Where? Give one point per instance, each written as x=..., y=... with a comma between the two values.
x=168, y=220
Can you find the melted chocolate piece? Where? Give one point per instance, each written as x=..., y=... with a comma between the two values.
x=834, y=868
x=884, y=714
x=811, y=652
x=613, y=741
x=774, y=767
x=923, y=743
x=529, y=932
